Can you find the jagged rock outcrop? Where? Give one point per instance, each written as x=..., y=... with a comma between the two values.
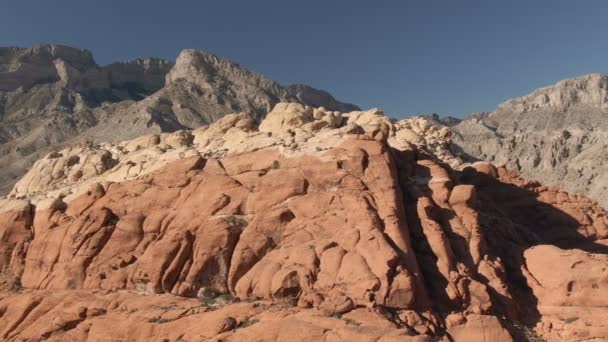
x=52, y=96
x=318, y=98
x=314, y=225
x=292, y=128
x=76, y=70
x=442, y=120
x=24, y=67
x=556, y=135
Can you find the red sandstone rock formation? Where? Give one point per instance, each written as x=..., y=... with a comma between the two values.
x=361, y=242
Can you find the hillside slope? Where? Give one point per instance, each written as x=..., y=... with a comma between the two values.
x=557, y=135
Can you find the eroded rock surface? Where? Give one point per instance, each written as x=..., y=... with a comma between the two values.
x=316, y=225
x=571, y=293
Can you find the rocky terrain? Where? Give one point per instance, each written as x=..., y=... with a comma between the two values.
x=53, y=95
x=311, y=225
x=557, y=135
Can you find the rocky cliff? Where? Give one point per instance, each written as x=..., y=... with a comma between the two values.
x=311, y=225
x=52, y=95
x=557, y=135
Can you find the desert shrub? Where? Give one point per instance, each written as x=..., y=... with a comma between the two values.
x=246, y=323
x=570, y=320
x=216, y=299
x=235, y=221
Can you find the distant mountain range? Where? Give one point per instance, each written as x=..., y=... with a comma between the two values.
x=557, y=135
x=52, y=95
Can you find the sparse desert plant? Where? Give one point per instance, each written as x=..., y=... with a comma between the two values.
x=216, y=299
x=235, y=221
x=29, y=237
x=17, y=286
x=246, y=323
x=569, y=320
x=168, y=307
x=527, y=334
x=207, y=301
x=158, y=320
x=351, y=322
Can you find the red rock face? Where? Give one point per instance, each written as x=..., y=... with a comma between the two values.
x=362, y=242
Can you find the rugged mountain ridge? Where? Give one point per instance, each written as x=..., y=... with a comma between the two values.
x=51, y=95
x=449, y=121
x=556, y=135
x=319, y=98
x=313, y=225
x=76, y=70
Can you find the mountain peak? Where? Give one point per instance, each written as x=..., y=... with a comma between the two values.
x=318, y=98
x=51, y=94
x=591, y=90
x=45, y=54
x=27, y=66
x=196, y=65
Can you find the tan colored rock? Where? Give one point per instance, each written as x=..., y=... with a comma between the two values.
x=178, y=139
x=71, y=165
x=142, y=142
x=286, y=117
x=372, y=121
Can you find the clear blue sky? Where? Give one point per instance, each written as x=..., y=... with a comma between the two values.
x=406, y=57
